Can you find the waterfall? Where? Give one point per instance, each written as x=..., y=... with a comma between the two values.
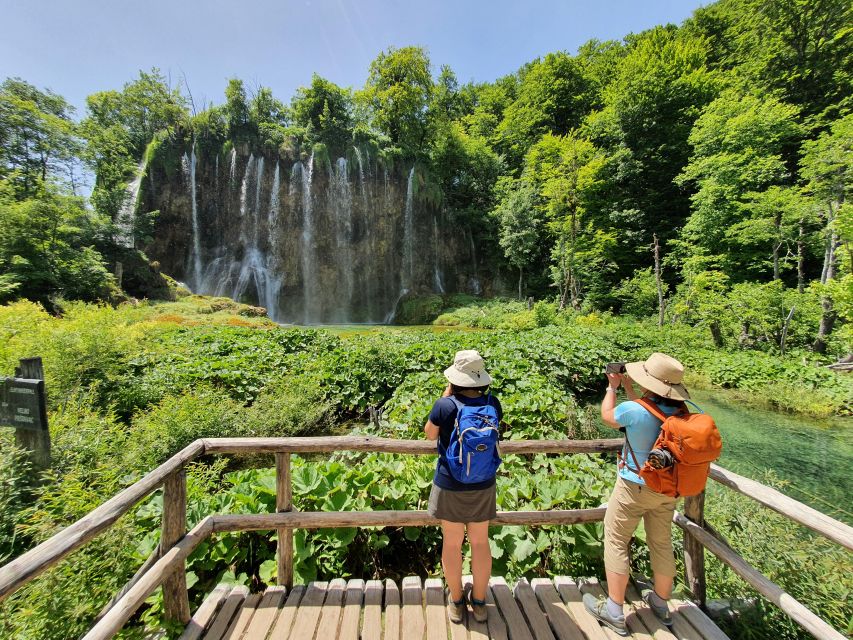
x=189, y=166
x=342, y=202
x=437, y=281
x=408, y=235
x=274, y=202
x=474, y=282
x=232, y=174
x=360, y=172
x=309, y=257
x=256, y=210
x=126, y=218
x=273, y=260
x=245, y=186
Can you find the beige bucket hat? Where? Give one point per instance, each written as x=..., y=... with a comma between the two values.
x=468, y=370
x=661, y=374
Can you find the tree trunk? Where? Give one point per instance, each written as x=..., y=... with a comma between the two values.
x=520, y=276
x=785, y=326
x=716, y=333
x=801, y=257
x=827, y=319
x=658, y=281
x=777, y=243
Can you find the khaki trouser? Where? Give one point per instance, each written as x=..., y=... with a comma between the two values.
x=628, y=503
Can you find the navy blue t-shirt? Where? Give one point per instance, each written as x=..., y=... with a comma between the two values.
x=443, y=415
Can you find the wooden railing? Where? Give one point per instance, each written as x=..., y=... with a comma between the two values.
x=167, y=566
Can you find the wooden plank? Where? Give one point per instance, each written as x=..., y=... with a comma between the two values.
x=694, y=552
x=656, y=628
x=331, y=519
x=371, y=628
x=226, y=613
x=266, y=613
x=436, y=614
x=497, y=625
x=516, y=626
x=111, y=623
x=590, y=585
x=205, y=614
x=309, y=611
x=330, y=619
x=284, y=502
x=281, y=628
x=699, y=621
x=635, y=624
x=788, y=507
x=794, y=609
x=326, y=444
x=176, y=603
x=243, y=617
x=536, y=619
x=30, y=564
x=412, y=618
x=558, y=614
x=476, y=630
x=352, y=610
x=681, y=627
x=573, y=598
x=392, y=611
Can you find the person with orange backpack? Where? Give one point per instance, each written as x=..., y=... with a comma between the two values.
x=667, y=455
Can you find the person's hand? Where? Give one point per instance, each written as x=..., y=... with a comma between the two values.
x=614, y=380
x=448, y=391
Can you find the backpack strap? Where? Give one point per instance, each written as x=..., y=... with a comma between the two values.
x=652, y=408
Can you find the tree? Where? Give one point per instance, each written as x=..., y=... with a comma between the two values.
x=741, y=145
x=325, y=111
x=552, y=97
x=237, y=110
x=660, y=86
x=38, y=139
x=520, y=229
x=47, y=249
x=800, y=50
x=566, y=169
x=398, y=90
x=827, y=168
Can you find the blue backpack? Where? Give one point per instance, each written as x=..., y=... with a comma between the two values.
x=472, y=455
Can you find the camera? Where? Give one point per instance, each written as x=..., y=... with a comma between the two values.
x=615, y=367
x=660, y=459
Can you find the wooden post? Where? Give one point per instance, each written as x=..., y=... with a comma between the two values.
x=694, y=552
x=36, y=442
x=175, y=598
x=284, y=502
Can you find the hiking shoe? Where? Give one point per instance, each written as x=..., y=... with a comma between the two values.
x=662, y=613
x=456, y=610
x=479, y=609
x=597, y=607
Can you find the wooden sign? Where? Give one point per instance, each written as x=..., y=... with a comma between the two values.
x=22, y=404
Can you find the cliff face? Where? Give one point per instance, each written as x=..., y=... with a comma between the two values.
x=311, y=240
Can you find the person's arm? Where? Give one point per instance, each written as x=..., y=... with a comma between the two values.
x=628, y=385
x=608, y=404
x=431, y=430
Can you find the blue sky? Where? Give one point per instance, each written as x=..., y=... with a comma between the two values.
x=79, y=47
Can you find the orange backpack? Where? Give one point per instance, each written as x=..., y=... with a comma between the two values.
x=694, y=442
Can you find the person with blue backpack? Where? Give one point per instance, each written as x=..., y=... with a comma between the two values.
x=465, y=422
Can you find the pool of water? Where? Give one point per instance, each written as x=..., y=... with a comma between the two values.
x=814, y=457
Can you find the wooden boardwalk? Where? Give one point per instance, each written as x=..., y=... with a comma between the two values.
x=351, y=610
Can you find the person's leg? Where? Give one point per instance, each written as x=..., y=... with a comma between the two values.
x=658, y=524
x=451, y=557
x=621, y=520
x=481, y=557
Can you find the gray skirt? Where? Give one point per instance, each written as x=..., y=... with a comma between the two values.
x=462, y=506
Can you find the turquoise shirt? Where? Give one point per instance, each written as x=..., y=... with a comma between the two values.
x=641, y=429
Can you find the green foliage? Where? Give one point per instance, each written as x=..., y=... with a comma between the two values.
x=397, y=92
x=325, y=111
x=639, y=294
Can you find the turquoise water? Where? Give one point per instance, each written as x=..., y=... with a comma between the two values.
x=814, y=457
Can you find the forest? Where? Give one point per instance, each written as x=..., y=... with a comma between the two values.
x=682, y=189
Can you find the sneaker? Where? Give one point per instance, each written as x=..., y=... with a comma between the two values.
x=479, y=609
x=662, y=613
x=456, y=610
x=597, y=607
